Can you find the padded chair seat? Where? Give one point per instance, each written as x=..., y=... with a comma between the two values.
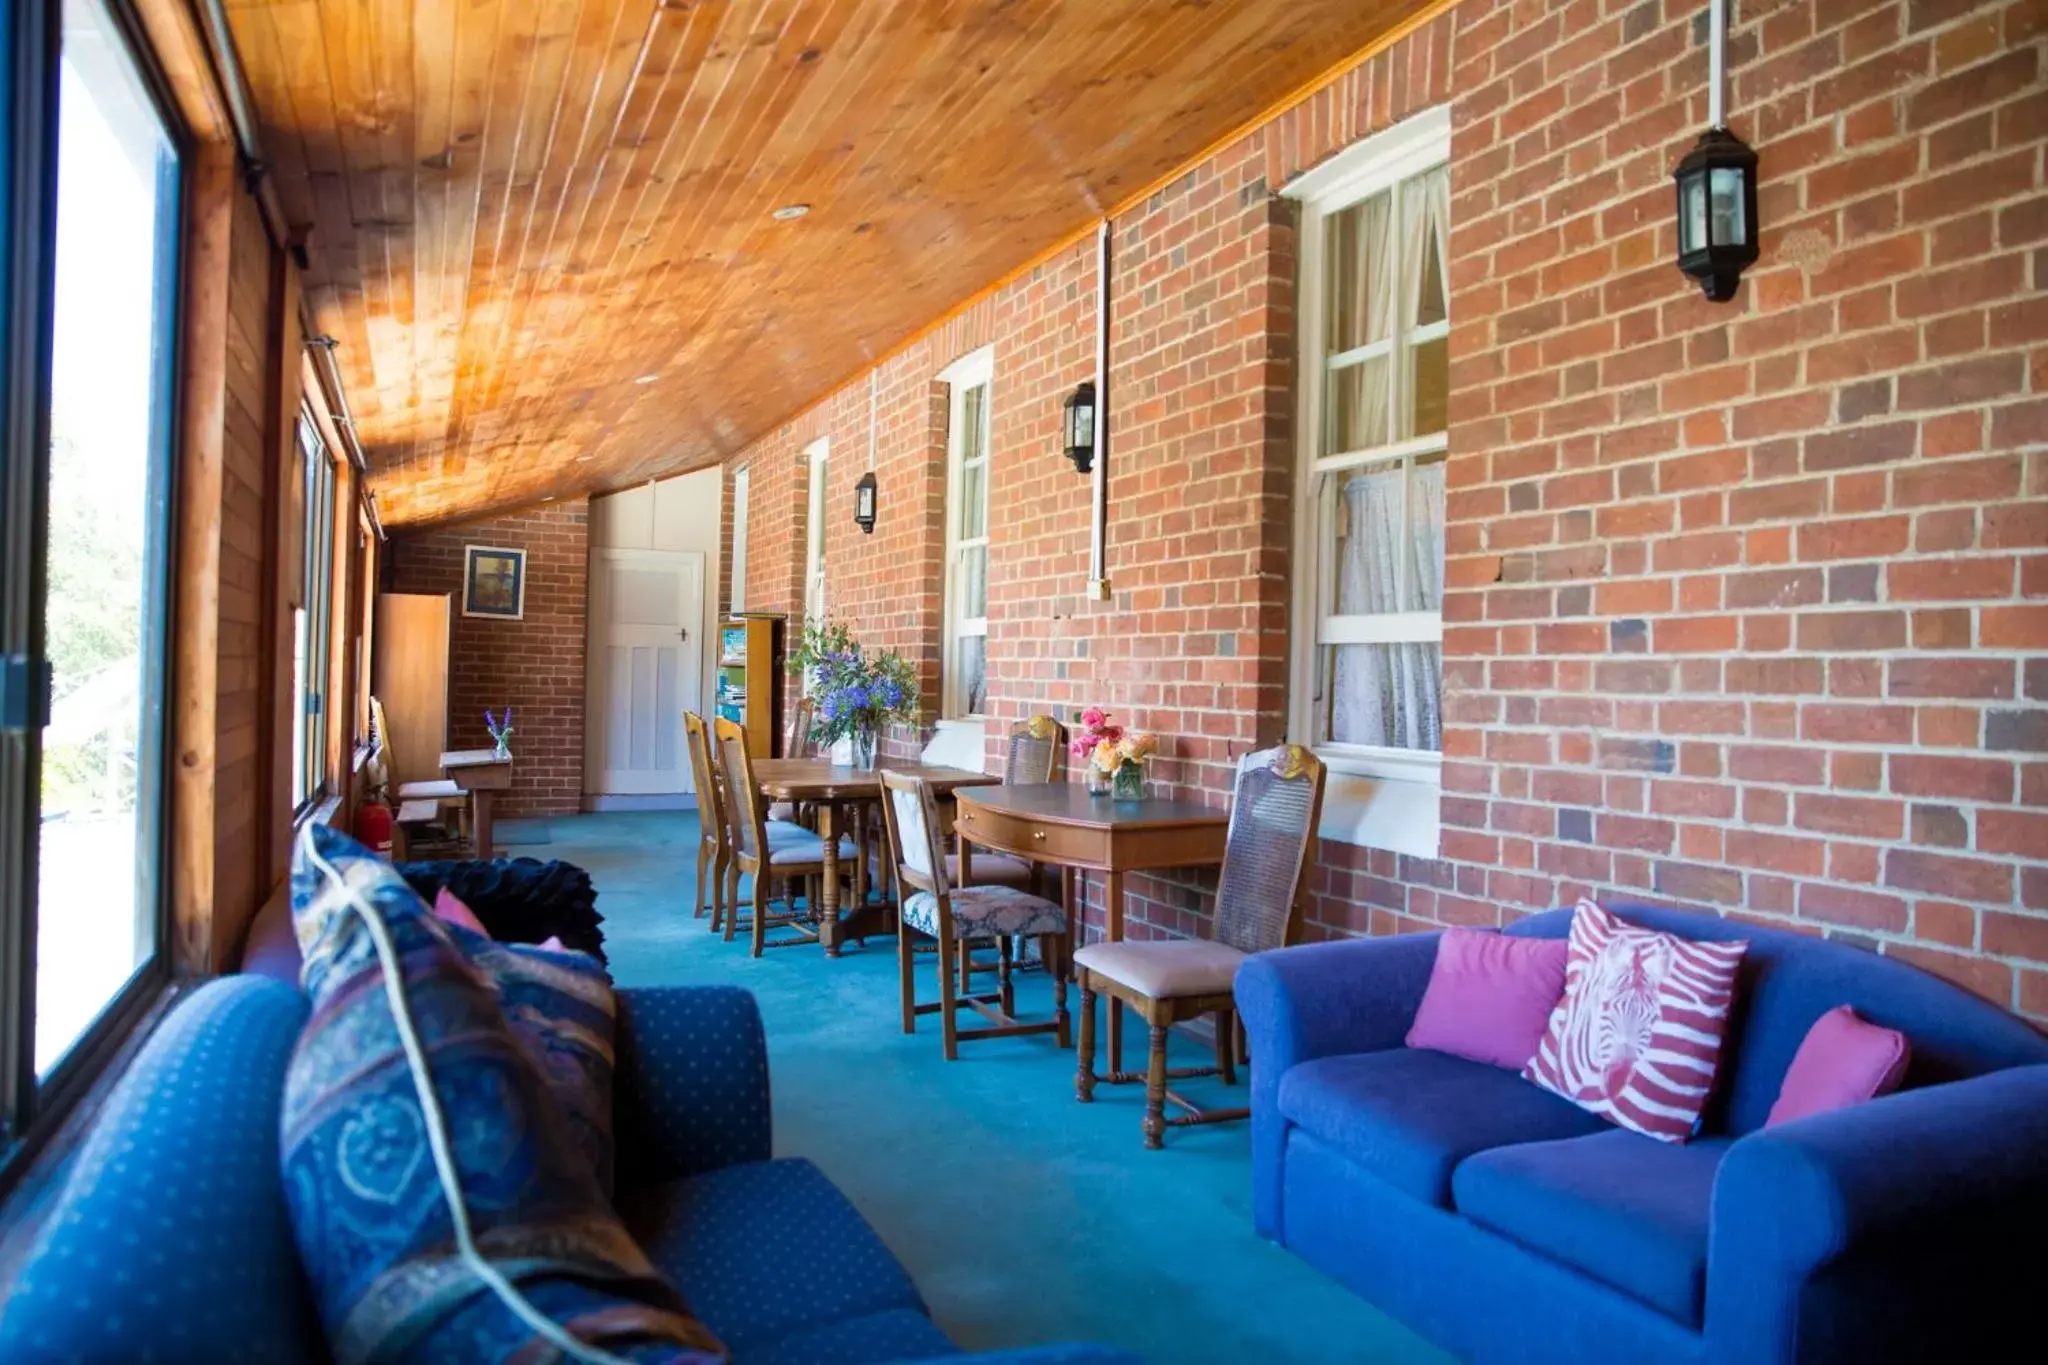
x=991, y=869
x=986, y=912
x=1410, y=1116
x=1618, y=1206
x=436, y=789
x=768, y=1251
x=1165, y=968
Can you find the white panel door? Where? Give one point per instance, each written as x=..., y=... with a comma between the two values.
x=646, y=612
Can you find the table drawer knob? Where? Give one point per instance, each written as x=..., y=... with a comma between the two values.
x=1039, y=835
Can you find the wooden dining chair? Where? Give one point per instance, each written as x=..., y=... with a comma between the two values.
x=418, y=802
x=1037, y=754
x=1274, y=812
x=767, y=851
x=959, y=916
x=714, y=841
x=799, y=744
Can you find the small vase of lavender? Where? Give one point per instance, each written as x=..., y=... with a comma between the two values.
x=501, y=732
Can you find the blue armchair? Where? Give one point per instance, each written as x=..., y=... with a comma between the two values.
x=1508, y=1225
x=171, y=1240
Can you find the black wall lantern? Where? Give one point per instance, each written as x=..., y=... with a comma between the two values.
x=1717, y=228
x=864, y=502
x=1080, y=427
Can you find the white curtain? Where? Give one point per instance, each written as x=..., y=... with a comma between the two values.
x=1425, y=226
x=1363, y=296
x=1388, y=694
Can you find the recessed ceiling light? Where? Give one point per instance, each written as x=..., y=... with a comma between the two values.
x=647, y=379
x=788, y=212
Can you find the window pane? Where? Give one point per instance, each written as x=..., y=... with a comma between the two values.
x=1355, y=406
x=115, y=286
x=1358, y=299
x=1367, y=519
x=974, y=500
x=973, y=582
x=974, y=423
x=1430, y=377
x=970, y=692
x=1388, y=696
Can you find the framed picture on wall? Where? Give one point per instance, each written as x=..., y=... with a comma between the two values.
x=493, y=582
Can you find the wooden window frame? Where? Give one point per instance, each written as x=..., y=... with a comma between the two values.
x=976, y=369
x=1417, y=144
x=33, y=1108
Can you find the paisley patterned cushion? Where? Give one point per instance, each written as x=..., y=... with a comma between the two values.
x=373, y=1222
x=986, y=912
x=560, y=1005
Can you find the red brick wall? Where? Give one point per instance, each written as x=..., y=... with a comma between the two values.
x=1746, y=601
x=534, y=665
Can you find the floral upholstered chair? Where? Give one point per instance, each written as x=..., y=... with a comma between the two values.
x=959, y=917
x=1273, y=816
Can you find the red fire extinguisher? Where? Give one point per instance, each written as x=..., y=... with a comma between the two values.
x=374, y=826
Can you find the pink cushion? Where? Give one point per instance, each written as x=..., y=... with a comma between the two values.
x=554, y=945
x=1637, y=1037
x=449, y=907
x=1490, y=996
x=1844, y=1061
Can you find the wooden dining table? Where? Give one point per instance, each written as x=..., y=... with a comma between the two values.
x=827, y=786
x=483, y=773
x=1064, y=825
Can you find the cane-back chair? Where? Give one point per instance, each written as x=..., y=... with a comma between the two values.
x=714, y=843
x=959, y=916
x=767, y=851
x=1275, y=809
x=799, y=744
x=1037, y=753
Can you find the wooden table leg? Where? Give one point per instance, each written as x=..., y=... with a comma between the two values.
x=1113, y=932
x=828, y=917
x=860, y=856
x=480, y=820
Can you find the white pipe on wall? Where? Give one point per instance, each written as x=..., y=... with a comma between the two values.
x=1098, y=477
x=1717, y=58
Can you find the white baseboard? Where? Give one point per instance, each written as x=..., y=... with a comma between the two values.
x=656, y=801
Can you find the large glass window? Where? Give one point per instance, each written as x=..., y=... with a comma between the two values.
x=817, y=456
x=740, y=481
x=97, y=907
x=1375, y=362
x=313, y=622
x=967, y=453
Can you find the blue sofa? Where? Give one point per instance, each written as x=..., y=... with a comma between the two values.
x=1508, y=1225
x=171, y=1241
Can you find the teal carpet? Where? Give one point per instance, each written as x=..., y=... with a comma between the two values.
x=1023, y=1216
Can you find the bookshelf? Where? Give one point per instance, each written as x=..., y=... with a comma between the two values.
x=750, y=673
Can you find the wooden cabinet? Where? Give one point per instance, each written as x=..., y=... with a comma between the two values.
x=750, y=679
x=411, y=666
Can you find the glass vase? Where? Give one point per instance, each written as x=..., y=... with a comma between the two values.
x=1097, y=781
x=864, y=748
x=501, y=750
x=1129, y=783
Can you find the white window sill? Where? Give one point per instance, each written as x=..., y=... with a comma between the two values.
x=1376, y=812
x=958, y=744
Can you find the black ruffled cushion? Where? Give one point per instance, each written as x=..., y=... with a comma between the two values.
x=519, y=900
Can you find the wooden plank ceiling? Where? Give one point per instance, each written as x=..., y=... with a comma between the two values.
x=541, y=232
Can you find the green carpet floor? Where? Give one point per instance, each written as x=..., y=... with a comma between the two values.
x=1023, y=1216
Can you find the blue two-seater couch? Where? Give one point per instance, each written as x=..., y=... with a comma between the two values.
x=1509, y=1225
x=171, y=1241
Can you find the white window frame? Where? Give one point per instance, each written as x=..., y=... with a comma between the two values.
x=817, y=459
x=1378, y=163
x=977, y=369
x=742, y=480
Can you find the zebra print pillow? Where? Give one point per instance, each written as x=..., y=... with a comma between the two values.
x=1637, y=1037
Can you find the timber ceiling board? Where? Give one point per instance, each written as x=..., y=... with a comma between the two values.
x=519, y=208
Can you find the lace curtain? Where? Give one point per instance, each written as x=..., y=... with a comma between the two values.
x=1388, y=694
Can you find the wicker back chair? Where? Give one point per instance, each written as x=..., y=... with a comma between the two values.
x=768, y=851
x=800, y=744
x=1038, y=751
x=1275, y=809
x=713, y=842
x=959, y=917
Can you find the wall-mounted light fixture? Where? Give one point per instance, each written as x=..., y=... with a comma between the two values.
x=864, y=502
x=1717, y=228
x=1080, y=427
